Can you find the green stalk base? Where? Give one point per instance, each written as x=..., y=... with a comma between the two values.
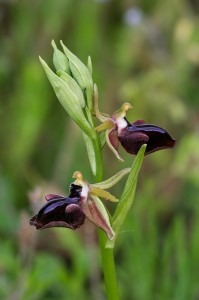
x=108, y=265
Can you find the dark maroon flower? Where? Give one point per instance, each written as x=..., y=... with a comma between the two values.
x=60, y=211
x=134, y=135
x=71, y=211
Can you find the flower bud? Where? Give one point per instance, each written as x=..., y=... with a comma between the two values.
x=73, y=86
x=89, y=65
x=60, y=60
x=69, y=100
x=81, y=74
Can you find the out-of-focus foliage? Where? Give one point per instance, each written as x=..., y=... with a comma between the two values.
x=143, y=52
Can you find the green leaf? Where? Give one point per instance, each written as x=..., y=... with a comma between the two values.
x=127, y=196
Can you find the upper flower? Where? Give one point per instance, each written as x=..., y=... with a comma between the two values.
x=134, y=135
x=131, y=135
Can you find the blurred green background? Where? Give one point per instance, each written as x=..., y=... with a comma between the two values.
x=144, y=52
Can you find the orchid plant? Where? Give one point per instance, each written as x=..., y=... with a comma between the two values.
x=73, y=85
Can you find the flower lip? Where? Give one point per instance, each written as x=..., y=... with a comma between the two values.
x=59, y=212
x=138, y=133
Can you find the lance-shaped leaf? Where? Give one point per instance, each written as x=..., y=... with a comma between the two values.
x=60, y=60
x=127, y=196
x=96, y=213
x=81, y=74
x=68, y=99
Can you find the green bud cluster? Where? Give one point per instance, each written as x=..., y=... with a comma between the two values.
x=73, y=85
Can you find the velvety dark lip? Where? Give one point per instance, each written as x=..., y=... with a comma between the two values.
x=52, y=204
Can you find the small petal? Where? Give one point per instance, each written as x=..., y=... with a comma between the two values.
x=108, y=124
x=135, y=135
x=113, y=138
x=96, y=191
x=59, y=212
x=111, y=146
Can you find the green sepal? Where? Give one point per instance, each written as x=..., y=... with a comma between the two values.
x=96, y=212
x=127, y=196
x=107, y=184
x=81, y=74
x=60, y=60
x=68, y=99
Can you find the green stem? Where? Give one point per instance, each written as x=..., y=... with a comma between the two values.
x=98, y=160
x=107, y=254
x=108, y=265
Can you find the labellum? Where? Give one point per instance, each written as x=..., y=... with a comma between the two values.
x=134, y=135
x=60, y=211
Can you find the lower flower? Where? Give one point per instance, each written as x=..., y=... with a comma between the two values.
x=60, y=211
x=71, y=211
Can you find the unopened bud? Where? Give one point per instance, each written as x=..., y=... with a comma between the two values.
x=81, y=74
x=60, y=60
x=68, y=99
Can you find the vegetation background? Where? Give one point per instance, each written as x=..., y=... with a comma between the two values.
x=144, y=52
